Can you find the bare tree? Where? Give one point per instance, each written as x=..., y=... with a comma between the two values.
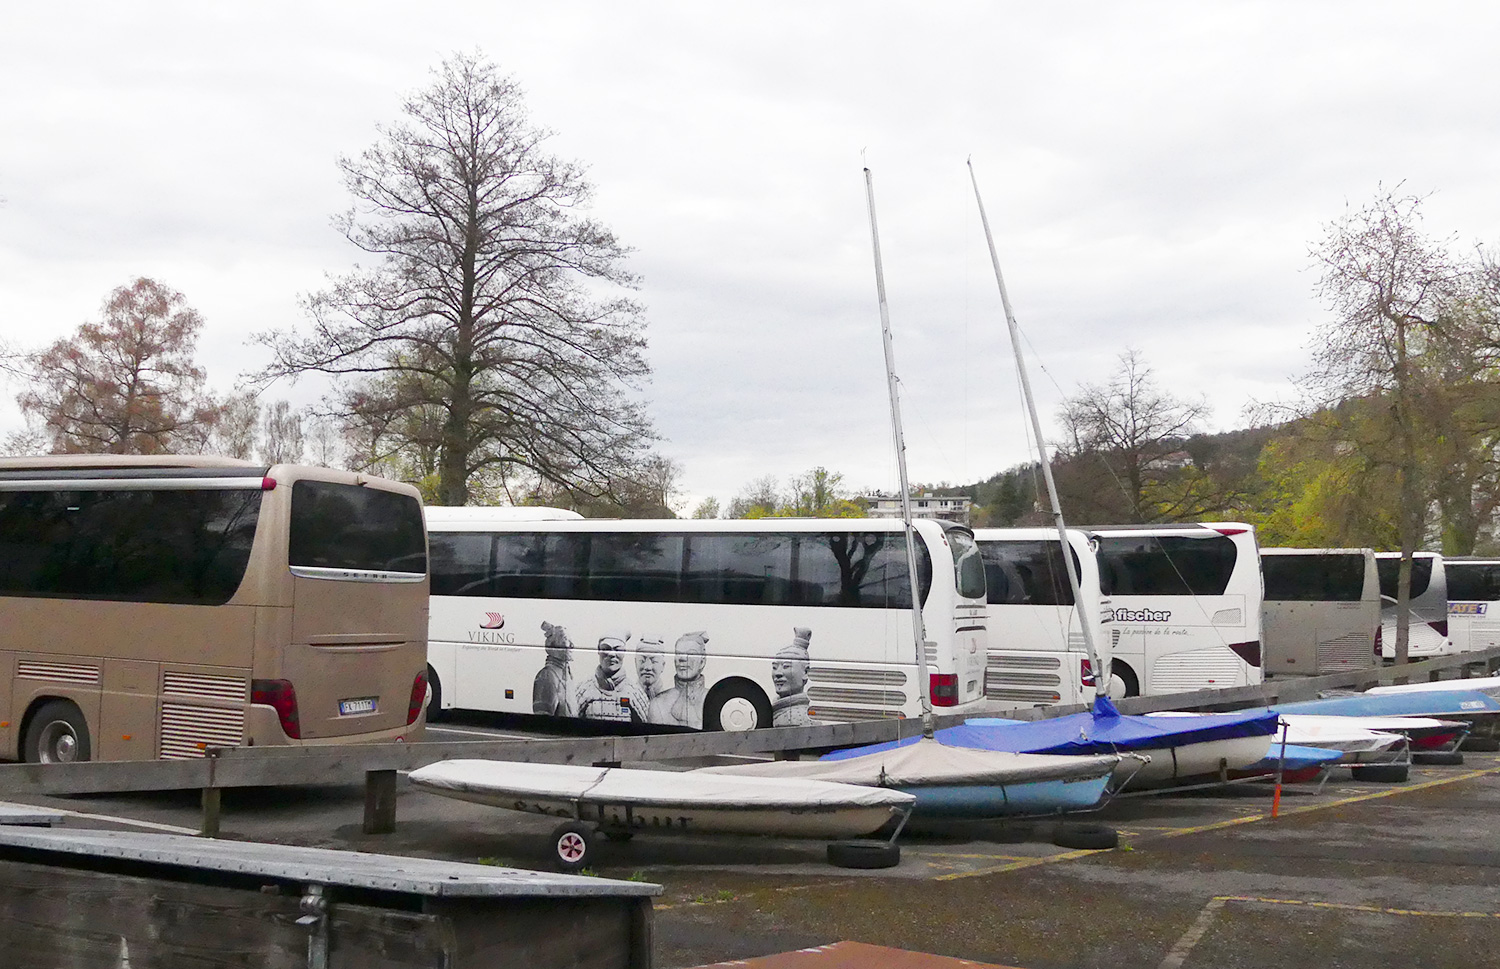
x=237, y=428
x=759, y=499
x=1389, y=288
x=495, y=313
x=125, y=385
x=707, y=508
x=1125, y=439
x=281, y=434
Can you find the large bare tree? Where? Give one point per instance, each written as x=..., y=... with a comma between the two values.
x=1391, y=291
x=1124, y=450
x=127, y=384
x=494, y=336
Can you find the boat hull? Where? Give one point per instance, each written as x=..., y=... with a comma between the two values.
x=640, y=800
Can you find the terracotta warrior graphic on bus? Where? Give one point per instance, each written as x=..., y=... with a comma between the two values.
x=552, y=690
x=682, y=705
x=609, y=694
x=789, y=676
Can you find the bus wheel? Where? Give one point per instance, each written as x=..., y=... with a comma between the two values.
x=736, y=706
x=434, y=698
x=1124, y=680
x=57, y=734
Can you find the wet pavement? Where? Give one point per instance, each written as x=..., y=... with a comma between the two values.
x=1355, y=874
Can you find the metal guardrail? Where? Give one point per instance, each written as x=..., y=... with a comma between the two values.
x=377, y=764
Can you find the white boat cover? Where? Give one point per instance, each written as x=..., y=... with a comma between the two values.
x=623, y=786
x=1347, y=734
x=929, y=763
x=1483, y=684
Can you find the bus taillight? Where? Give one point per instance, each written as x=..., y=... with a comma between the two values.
x=281, y=695
x=418, y=697
x=945, y=689
x=1086, y=672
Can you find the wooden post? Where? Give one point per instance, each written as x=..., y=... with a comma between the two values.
x=380, y=801
x=210, y=825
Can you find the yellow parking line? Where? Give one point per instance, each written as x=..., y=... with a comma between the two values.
x=1231, y=822
x=954, y=854
x=1348, y=907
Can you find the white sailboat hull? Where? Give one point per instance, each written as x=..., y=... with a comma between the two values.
x=626, y=799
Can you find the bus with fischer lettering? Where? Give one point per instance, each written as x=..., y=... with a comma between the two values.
x=1185, y=606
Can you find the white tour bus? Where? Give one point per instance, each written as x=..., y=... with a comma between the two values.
x=1427, y=630
x=1186, y=604
x=1473, y=601
x=713, y=625
x=1321, y=611
x=1038, y=656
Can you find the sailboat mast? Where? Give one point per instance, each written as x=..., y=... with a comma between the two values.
x=919, y=629
x=1101, y=676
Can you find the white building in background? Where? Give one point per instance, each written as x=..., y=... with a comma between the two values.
x=952, y=508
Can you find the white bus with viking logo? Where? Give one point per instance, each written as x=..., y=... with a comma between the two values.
x=710, y=625
x=1186, y=606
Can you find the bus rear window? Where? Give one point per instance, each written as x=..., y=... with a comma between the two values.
x=175, y=546
x=1390, y=572
x=1165, y=565
x=1313, y=578
x=340, y=526
x=1026, y=573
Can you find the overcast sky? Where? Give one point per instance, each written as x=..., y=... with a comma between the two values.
x=1154, y=174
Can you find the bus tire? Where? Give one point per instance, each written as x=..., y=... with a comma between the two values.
x=736, y=705
x=1126, y=677
x=1437, y=758
x=1087, y=835
x=434, y=697
x=1381, y=773
x=1481, y=745
x=57, y=734
x=864, y=854
x=572, y=846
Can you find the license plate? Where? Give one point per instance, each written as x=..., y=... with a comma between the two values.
x=364, y=704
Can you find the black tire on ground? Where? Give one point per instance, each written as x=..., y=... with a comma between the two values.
x=1381, y=773
x=434, y=698
x=1126, y=676
x=1437, y=758
x=1481, y=745
x=572, y=846
x=864, y=854
x=1086, y=835
x=740, y=703
x=57, y=734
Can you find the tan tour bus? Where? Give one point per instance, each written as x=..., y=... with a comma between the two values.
x=156, y=606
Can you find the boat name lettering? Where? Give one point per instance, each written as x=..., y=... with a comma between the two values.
x=1141, y=615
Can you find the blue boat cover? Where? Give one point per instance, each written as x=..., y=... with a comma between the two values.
x=1297, y=756
x=1103, y=730
x=1424, y=703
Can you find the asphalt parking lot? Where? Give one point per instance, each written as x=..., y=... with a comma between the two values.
x=1353, y=875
